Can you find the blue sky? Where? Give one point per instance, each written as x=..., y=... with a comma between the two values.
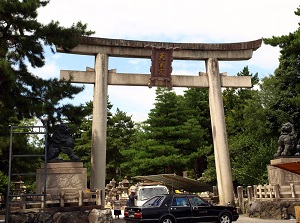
x=189, y=21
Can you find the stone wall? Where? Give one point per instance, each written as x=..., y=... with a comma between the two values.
x=83, y=216
x=271, y=209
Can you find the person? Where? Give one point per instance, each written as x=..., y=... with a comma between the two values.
x=131, y=198
x=117, y=206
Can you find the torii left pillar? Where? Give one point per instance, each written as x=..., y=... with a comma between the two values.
x=99, y=126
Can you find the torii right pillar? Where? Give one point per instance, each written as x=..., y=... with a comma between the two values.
x=222, y=160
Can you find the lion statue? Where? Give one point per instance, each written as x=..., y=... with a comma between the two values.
x=61, y=141
x=287, y=142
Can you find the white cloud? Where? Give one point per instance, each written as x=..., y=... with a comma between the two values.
x=49, y=70
x=175, y=19
x=267, y=57
x=134, y=61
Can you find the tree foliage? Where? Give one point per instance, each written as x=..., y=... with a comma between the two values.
x=281, y=90
x=248, y=135
x=197, y=113
x=24, y=95
x=174, y=138
x=120, y=136
x=22, y=43
x=162, y=147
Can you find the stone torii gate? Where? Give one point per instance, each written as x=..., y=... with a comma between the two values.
x=102, y=48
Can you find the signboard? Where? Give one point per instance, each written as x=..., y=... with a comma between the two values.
x=161, y=67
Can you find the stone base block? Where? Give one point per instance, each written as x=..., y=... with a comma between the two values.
x=68, y=177
x=282, y=160
x=280, y=176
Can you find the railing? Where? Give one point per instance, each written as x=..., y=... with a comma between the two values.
x=275, y=192
x=267, y=193
x=57, y=200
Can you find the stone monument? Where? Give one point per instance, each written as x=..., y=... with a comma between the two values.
x=281, y=171
x=61, y=141
x=62, y=176
x=287, y=142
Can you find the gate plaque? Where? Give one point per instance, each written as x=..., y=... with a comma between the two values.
x=161, y=67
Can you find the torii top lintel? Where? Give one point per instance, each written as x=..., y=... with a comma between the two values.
x=188, y=51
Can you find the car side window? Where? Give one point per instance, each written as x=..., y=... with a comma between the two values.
x=196, y=201
x=154, y=201
x=180, y=201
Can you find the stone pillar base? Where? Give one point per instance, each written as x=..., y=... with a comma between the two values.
x=68, y=177
x=280, y=176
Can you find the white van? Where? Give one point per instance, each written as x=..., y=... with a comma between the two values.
x=145, y=192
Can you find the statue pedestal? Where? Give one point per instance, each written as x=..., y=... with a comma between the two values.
x=282, y=176
x=68, y=177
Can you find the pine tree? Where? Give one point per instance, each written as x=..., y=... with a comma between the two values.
x=166, y=147
x=197, y=112
x=23, y=95
x=22, y=42
x=248, y=137
x=120, y=135
x=281, y=90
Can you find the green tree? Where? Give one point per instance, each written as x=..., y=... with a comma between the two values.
x=21, y=144
x=130, y=163
x=83, y=135
x=161, y=149
x=174, y=138
x=197, y=113
x=249, y=137
x=22, y=94
x=235, y=100
x=83, y=139
x=120, y=135
x=166, y=147
x=281, y=90
x=22, y=42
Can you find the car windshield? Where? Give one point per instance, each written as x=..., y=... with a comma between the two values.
x=146, y=193
x=154, y=201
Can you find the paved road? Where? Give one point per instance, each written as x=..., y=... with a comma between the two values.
x=245, y=219
x=242, y=219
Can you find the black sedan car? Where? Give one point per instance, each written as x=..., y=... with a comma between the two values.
x=179, y=208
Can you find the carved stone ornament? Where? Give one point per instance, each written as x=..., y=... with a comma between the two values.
x=287, y=141
x=61, y=141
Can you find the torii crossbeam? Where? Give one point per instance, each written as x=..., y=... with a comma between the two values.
x=102, y=48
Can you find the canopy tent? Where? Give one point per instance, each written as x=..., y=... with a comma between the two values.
x=175, y=182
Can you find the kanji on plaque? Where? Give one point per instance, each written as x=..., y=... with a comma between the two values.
x=161, y=67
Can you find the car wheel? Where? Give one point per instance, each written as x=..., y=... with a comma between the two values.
x=225, y=218
x=167, y=220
